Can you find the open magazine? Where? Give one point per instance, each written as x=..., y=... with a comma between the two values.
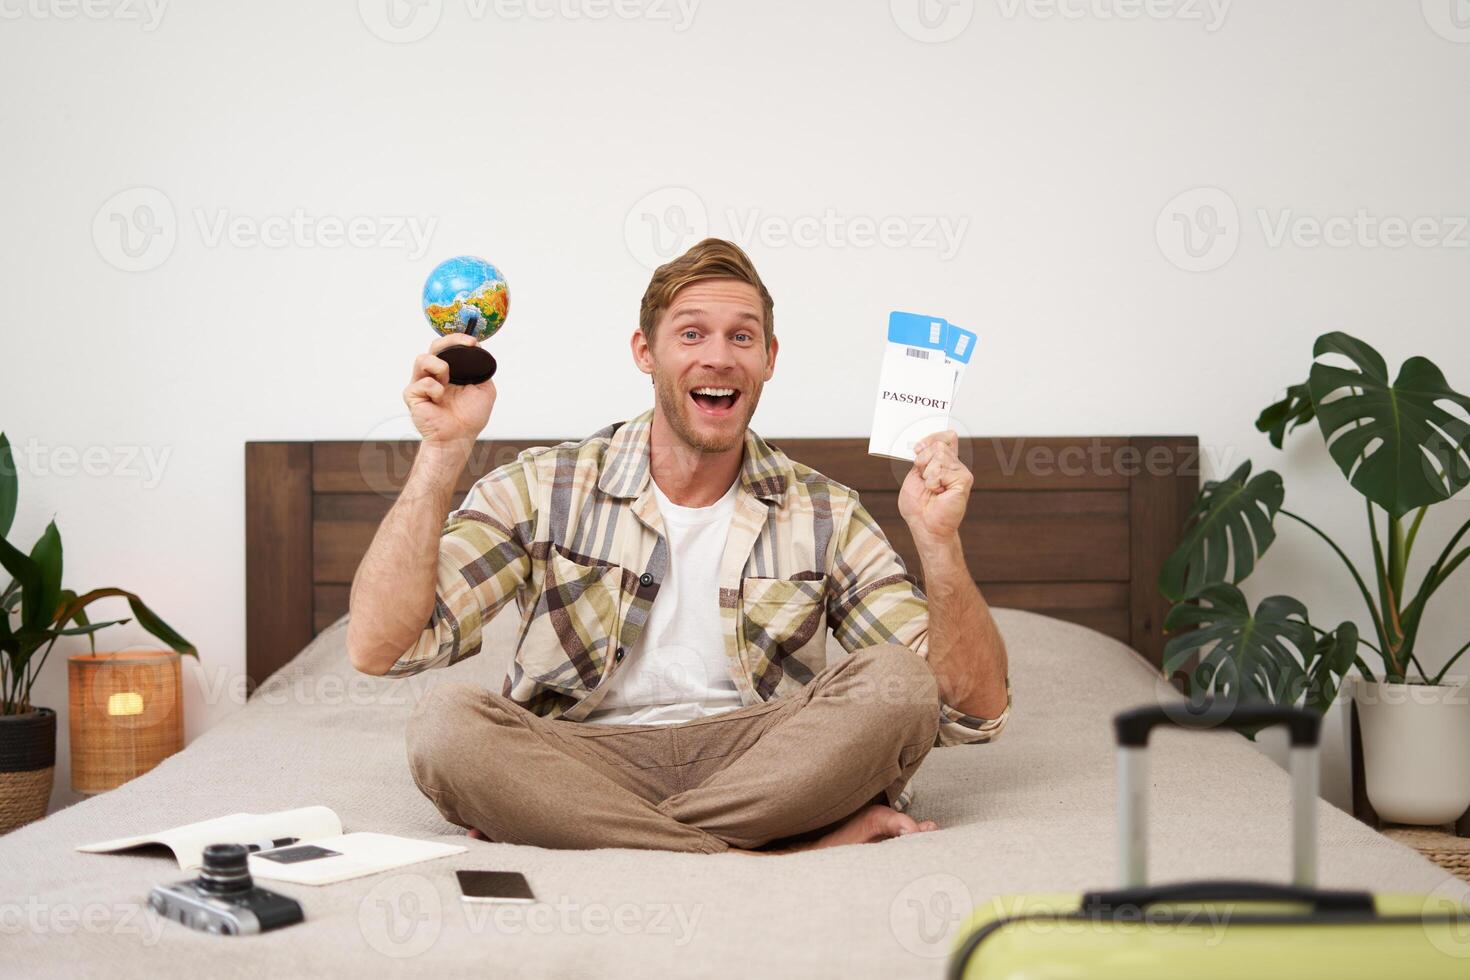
x=319, y=855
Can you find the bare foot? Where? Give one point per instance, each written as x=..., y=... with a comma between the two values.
x=869, y=825
x=476, y=834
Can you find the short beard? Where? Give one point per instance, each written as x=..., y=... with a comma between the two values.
x=674, y=406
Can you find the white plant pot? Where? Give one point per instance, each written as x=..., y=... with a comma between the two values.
x=1416, y=750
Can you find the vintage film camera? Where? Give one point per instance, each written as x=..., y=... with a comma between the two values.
x=224, y=898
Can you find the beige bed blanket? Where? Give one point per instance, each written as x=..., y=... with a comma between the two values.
x=1031, y=812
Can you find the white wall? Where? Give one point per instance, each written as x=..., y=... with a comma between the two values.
x=1055, y=139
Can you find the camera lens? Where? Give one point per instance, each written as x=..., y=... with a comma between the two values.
x=225, y=869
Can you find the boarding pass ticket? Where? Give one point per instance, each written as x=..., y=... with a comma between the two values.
x=924, y=358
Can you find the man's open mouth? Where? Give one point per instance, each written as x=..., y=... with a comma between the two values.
x=715, y=402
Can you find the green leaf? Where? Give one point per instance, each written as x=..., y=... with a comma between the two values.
x=1450, y=566
x=67, y=598
x=1413, y=614
x=9, y=486
x=1396, y=444
x=1281, y=417
x=90, y=627
x=1333, y=657
x=38, y=606
x=20, y=566
x=8, y=643
x=146, y=617
x=27, y=642
x=79, y=617
x=1245, y=656
x=1231, y=518
x=150, y=621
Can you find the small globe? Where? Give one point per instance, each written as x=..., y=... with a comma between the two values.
x=466, y=295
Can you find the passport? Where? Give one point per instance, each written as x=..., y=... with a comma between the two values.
x=924, y=358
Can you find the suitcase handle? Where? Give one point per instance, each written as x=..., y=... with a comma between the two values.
x=1133, y=900
x=1133, y=728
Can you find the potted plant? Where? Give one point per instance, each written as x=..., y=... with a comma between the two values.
x=37, y=612
x=1404, y=446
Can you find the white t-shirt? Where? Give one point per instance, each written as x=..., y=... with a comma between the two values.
x=677, y=670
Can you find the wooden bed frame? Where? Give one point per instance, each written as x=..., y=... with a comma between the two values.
x=1075, y=528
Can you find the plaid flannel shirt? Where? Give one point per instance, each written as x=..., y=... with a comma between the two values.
x=573, y=533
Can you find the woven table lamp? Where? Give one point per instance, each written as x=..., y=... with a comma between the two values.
x=127, y=716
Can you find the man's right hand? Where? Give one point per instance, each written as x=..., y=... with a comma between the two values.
x=444, y=413
x=393, y=590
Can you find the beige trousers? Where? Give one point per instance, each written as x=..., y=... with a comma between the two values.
x=745, y=778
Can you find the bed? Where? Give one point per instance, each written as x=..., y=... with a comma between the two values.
x=1032, y=812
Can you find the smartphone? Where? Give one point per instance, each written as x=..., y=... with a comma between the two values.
x=494, y=886
x=291, y=855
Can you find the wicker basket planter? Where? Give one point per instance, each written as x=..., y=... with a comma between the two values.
x=27, y=765
x=1438, y=844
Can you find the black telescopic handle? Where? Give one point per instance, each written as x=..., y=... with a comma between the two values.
x=1108, y=904
x=1133, y=726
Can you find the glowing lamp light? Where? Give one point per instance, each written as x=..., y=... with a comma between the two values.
x=125, y=703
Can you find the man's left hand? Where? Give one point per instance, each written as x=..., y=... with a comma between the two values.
x=937, y=489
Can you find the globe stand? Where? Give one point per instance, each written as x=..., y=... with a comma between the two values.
x=468, y=365
x=466, y=295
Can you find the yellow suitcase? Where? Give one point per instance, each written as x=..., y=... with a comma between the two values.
x=1223, y=928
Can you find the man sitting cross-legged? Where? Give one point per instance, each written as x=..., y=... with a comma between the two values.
x=676, y=577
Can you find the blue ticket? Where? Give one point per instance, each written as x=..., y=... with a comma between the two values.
x=922, y=362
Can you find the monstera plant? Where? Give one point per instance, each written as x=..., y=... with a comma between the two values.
x=1403, y=443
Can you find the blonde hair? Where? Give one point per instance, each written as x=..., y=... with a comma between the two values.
x=713, y=258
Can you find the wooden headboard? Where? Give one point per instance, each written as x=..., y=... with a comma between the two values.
x=1073, y=527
